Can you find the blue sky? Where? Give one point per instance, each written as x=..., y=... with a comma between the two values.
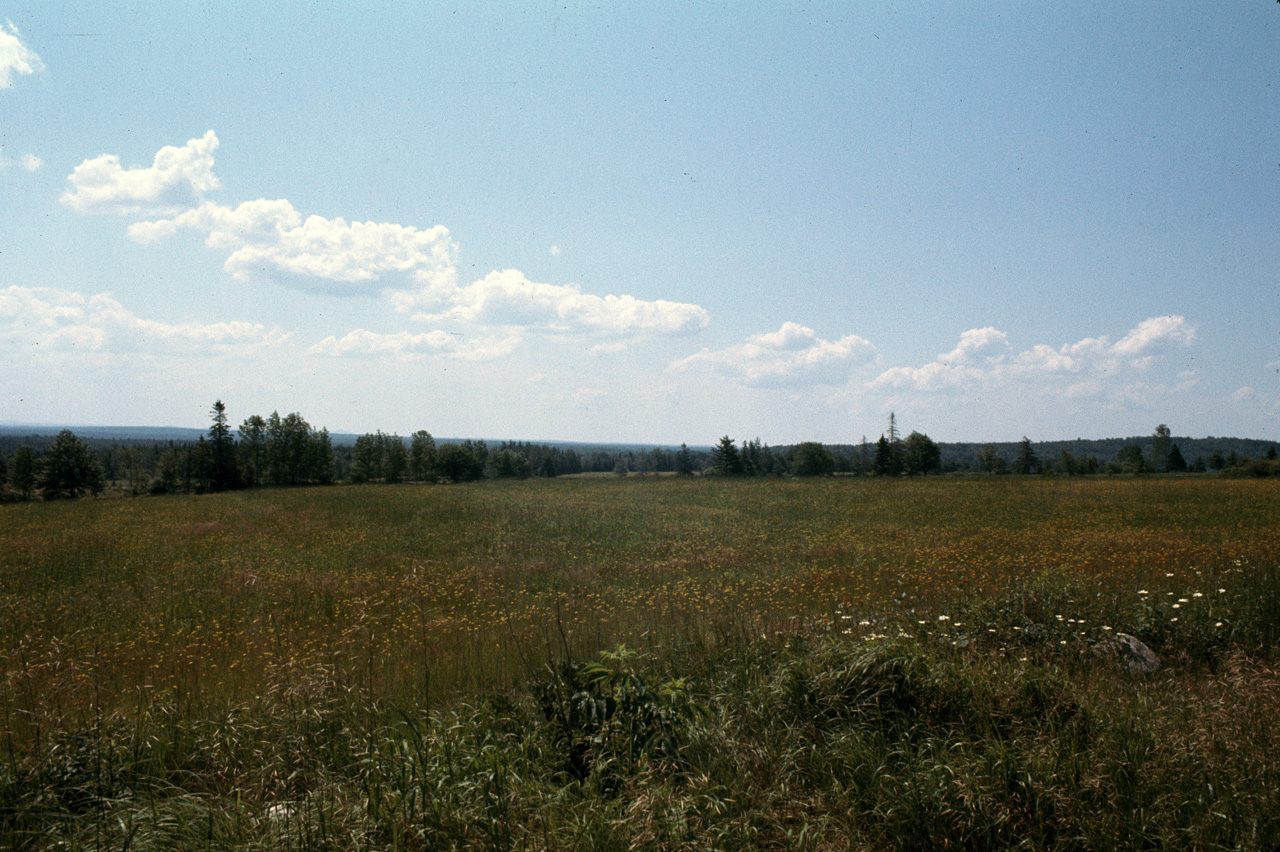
x=648, y=222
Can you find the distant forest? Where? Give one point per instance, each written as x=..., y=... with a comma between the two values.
x=286, y=450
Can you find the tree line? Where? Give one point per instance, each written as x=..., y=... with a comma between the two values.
x=286, y=450
x=275, y=450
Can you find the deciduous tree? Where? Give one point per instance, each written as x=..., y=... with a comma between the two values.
x=296, y=453
x=810, y=458
x=990, y=460
x=920, y=454
x=462, y=462
x=1160, y=448
x=422, y=455
x=1131, y=459
x=366, y=458
x=395, y=459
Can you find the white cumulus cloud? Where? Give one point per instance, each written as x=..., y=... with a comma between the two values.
x=269, y=240
x=177, y=178
x=508, y=298
x=1153, y=332
x=981, y=358
x=978, y=345
x=15, y=57
x=413, y=268
x=792, y=356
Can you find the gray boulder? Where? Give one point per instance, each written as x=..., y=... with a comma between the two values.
x=1130, y=652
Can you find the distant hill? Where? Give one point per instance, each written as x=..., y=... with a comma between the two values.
x=1106, y=449
x=105, y=433
x=960, y=455
x=38, y=436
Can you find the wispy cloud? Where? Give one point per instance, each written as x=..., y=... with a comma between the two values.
x=63, y=320
x=368, y=344
x=15, y=57
x=792, y=356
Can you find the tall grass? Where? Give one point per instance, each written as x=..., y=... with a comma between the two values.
x=825, y=664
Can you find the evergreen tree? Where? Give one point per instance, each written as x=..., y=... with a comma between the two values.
x=169, y=468
x=198, y=473
x=253, y=450
x=1026, y=461
x=684, y=461
x=882, y=464
x=319, y=467
x=507, y=464
x=863, y=463
x=725, y=460
x=1175, y=463
x=897, y=454
x=135, y=473
x=223, y=473
x=24, y=473
x=69, y=468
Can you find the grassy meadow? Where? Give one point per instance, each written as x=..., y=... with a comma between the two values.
x=644, y=663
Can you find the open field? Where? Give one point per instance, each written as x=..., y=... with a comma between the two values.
x=352, y=621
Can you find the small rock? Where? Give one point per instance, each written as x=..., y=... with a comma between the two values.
x=281, y=812
x=1130, y=652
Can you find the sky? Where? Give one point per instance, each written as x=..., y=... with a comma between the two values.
x=644, y=222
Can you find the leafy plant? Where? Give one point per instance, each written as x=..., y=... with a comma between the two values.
x=606, y=717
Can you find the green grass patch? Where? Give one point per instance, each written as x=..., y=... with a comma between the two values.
x=644, y=663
